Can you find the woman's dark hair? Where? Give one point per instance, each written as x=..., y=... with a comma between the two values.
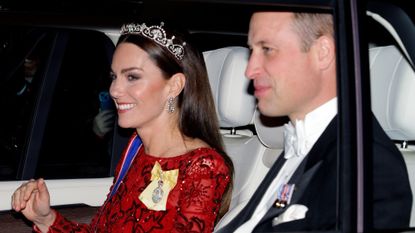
x=197, y=112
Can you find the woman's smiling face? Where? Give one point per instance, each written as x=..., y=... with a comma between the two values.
x=138, y=87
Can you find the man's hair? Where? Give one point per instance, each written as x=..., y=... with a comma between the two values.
x=311, y=26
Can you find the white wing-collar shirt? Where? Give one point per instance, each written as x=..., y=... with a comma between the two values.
x=298, y=141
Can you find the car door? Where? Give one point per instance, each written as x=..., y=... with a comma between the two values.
x=48, y=128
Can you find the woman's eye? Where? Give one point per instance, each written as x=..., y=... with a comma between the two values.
x=112, y=76
x=132, y=77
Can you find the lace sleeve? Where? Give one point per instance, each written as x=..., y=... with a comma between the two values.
x=201, y=193
x=61, y=224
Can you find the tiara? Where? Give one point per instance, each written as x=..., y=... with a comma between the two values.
x=157, y=34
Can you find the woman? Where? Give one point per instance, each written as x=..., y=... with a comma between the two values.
x=174, y=175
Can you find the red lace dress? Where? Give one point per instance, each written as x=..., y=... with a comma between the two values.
x=192, y=205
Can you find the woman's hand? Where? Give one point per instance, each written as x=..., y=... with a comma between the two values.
x=33, y=200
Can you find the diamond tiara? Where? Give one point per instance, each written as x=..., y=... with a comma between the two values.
x=157, y=34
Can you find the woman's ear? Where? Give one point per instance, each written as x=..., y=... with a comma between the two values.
x=177, y=82
x=325, y=52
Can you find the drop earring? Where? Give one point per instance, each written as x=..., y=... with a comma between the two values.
x=170, y=105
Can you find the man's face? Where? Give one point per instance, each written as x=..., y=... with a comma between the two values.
x=286, y=79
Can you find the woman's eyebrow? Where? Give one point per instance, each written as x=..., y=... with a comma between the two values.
x=131, y=69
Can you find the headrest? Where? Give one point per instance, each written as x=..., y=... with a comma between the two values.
x=270, y=130
x=393, y=90
x=226, y=70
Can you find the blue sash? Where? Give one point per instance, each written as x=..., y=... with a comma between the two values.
x=132, y=151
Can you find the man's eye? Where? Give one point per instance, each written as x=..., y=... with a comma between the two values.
x=266, y=49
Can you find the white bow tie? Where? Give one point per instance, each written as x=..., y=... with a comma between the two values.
x=294, y=140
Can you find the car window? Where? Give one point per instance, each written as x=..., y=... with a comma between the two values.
x=69, y=147
x=21, y=73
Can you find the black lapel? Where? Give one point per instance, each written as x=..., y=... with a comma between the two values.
x=320, y=149
x=301, y=180
x=311, y=163
x=307, y=168
x=250, y=207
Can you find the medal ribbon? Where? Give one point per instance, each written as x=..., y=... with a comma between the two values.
x=154, y=196
x=168, y=177
x=132, y=150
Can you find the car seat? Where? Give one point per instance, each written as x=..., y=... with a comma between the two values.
x=392, y=91
x=392, y=81
x=237, y=115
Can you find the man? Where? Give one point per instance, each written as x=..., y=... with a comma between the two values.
x=293, y=68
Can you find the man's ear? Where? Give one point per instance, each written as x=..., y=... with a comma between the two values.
x=176, y=83
x=326, y=52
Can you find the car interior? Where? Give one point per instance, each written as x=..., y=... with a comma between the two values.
x=392, y=79
x=389, y=87
x=254, y=141
x=236, y=109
